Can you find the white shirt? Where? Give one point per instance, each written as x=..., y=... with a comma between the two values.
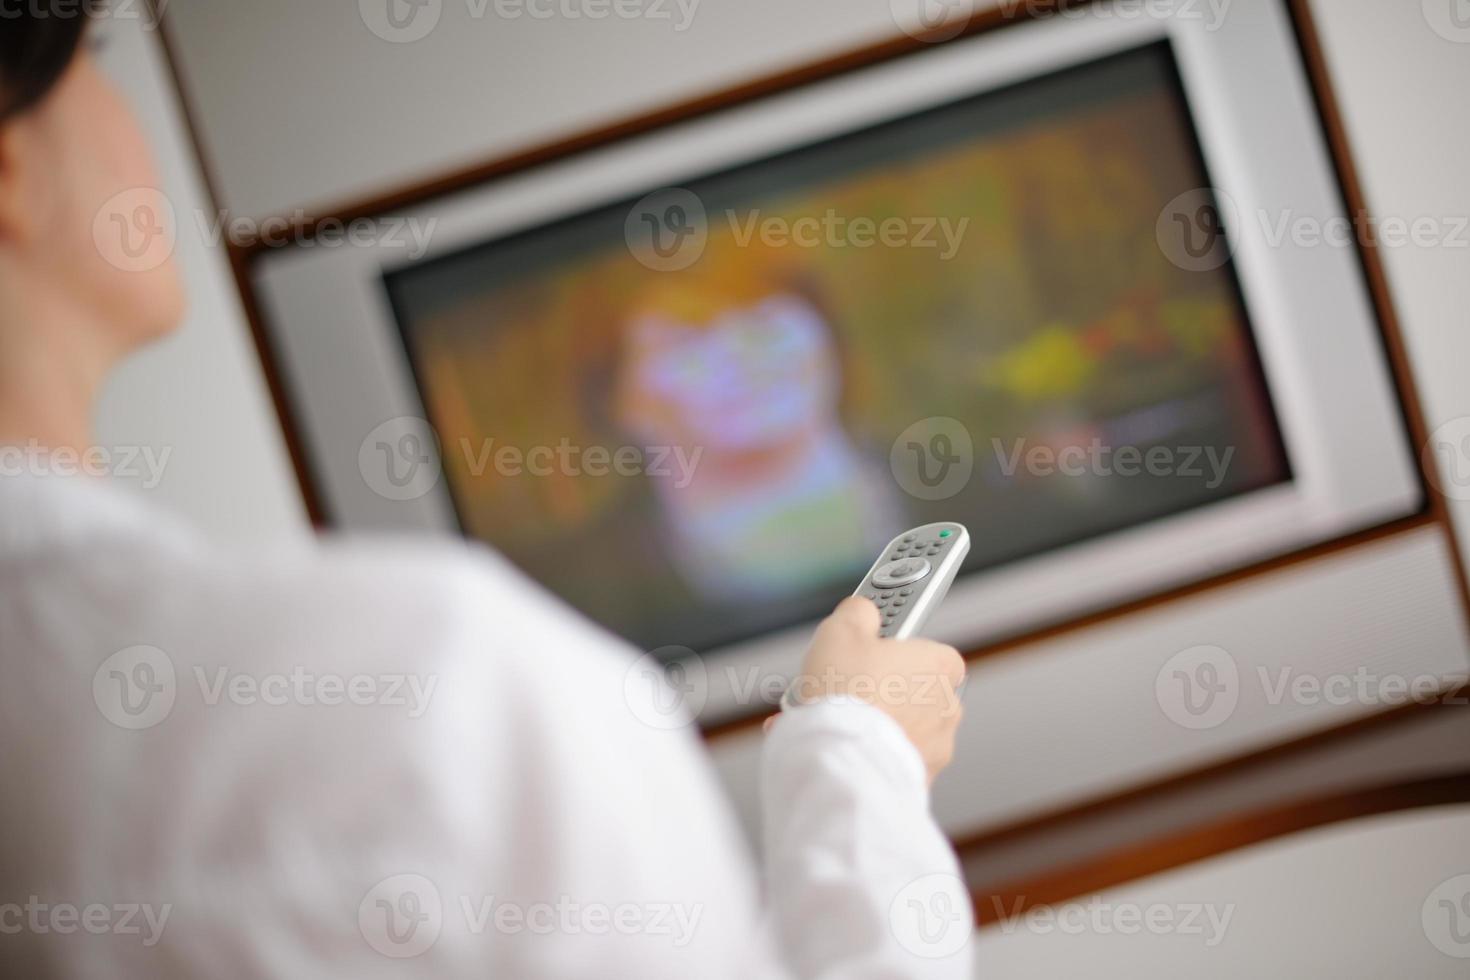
x=403, y=759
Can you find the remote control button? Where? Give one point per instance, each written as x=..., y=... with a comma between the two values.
x=906, y=592
x=902, y=572
x=881, y=603
x=908, y=537
x=900, y=602
x=888, y=595
x=945, y=533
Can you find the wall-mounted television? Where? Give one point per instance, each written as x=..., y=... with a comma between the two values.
x=1027, y=281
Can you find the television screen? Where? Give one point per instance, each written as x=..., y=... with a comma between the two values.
x=963, y=315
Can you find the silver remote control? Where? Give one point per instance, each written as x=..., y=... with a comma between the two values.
x=909, y=580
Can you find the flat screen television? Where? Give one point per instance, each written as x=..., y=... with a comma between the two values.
x=693, y=380
x=770, y=388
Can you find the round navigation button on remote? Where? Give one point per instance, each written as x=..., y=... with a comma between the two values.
x=902, y=572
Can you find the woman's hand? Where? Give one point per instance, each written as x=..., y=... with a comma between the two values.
x=914, y=682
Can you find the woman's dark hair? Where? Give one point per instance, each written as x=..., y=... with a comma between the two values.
x=36, y=46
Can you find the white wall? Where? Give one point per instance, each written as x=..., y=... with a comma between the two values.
x=1405, y=92
x=1272, y=910
x=199, y=396
x=305, y=105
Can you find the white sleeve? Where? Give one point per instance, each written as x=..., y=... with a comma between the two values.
x=534, y=812
x=861, y=882
x=617, y=808
x=621, y=807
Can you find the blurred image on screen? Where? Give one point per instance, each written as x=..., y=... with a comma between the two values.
x=711, y=453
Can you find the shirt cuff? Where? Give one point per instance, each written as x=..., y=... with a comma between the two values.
x=846, y=717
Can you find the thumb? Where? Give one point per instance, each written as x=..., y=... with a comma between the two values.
x=857, y=613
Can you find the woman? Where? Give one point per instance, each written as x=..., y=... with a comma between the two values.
x=377, y=759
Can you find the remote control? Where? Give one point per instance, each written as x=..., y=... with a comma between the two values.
x=909, y=580
x=911, y=577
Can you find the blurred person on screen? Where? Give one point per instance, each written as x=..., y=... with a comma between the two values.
x=747, y=375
